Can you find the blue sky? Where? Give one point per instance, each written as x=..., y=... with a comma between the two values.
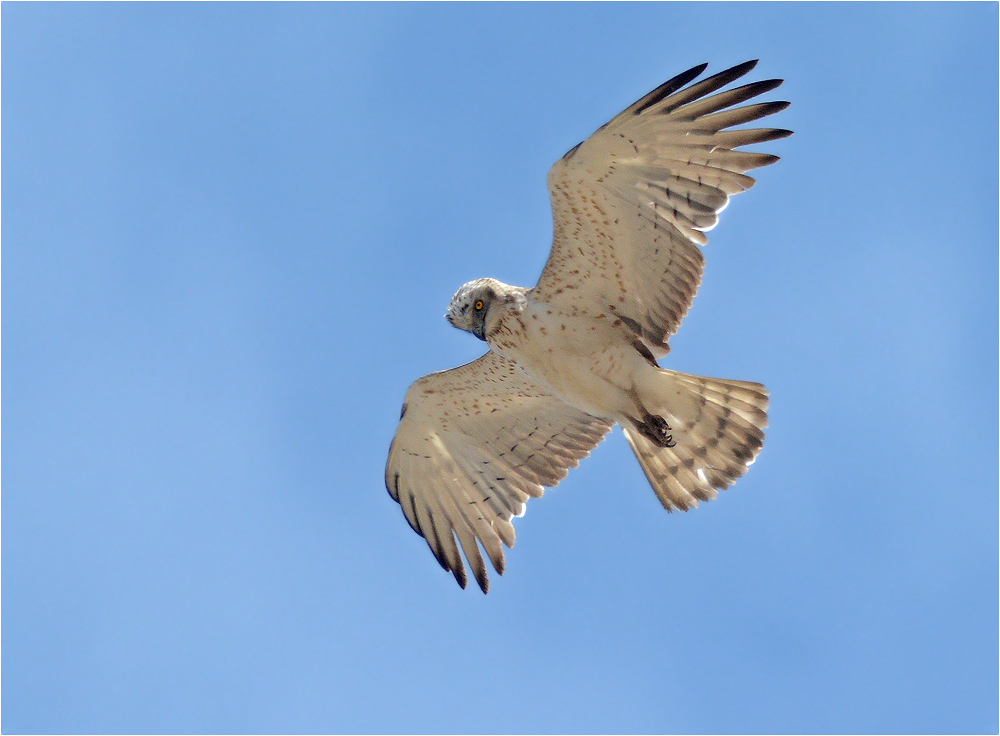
x=230, y=233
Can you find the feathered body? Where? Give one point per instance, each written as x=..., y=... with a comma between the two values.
x=578, y=353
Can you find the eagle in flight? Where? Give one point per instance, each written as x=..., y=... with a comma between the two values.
x=577, y=353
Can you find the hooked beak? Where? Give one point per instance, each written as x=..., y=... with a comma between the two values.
x=478, y=328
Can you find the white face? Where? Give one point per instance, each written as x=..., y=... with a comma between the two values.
x=468, y=307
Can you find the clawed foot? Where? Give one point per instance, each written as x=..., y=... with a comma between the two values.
x=657, y=430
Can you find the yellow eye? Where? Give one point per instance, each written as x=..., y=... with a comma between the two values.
x=479, y=305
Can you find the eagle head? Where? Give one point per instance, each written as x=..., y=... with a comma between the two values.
x=471, y=304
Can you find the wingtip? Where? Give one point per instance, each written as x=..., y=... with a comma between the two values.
x=737, y=71
x=484, y=583
x=765, y=85
x=664, y=90
x=460, y=577
x=692, y=74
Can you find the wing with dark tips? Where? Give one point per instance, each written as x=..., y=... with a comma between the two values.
x=473, y=445
x=632, y=203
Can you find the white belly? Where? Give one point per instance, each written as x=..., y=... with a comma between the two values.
x=588, y=363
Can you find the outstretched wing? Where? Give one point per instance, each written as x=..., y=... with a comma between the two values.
x=473, y=444
x=632, y=203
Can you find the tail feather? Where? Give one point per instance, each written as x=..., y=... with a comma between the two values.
x=717, y=431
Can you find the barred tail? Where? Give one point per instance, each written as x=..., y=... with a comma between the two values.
x=700, y=436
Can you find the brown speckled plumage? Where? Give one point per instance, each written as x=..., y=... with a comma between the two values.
x=577, y=353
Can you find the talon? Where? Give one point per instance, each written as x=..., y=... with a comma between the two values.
x=657, y=430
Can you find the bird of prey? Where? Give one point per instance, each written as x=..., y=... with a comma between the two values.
x=577, y=353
